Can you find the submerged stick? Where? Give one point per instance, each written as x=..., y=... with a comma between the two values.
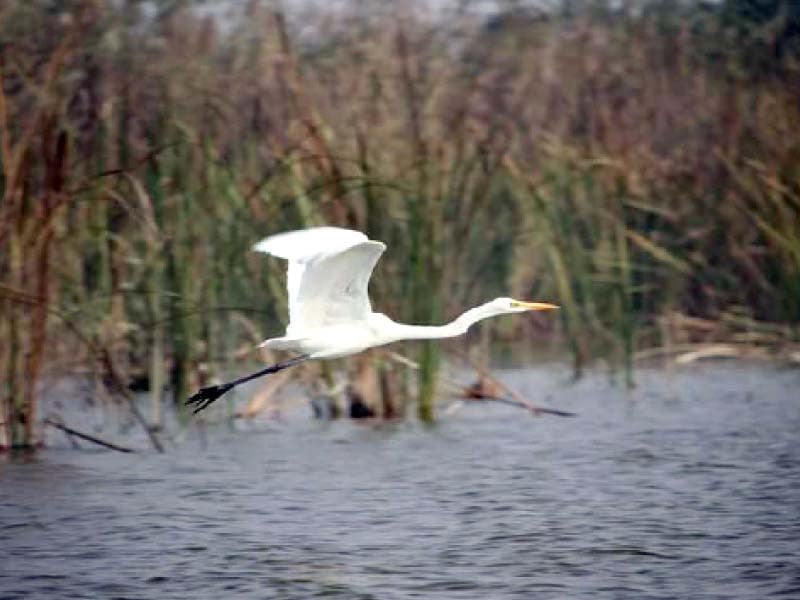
x=490, y=390
x=119, y=386
x=85, y=436
x=536, y=410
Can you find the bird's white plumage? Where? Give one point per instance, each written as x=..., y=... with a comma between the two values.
x=329, y=309
x=328, y=275
x=307, y=243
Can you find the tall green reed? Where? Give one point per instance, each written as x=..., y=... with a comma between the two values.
x=607, y=164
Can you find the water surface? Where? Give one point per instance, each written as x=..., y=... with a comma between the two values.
x=689, y=487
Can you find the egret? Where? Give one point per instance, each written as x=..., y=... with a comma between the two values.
x=330, y=315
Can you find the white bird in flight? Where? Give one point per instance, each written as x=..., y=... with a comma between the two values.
x=329, y=310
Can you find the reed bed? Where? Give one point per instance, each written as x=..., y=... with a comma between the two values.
x=629, y=166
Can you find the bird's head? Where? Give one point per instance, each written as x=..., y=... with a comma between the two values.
x=509, y=305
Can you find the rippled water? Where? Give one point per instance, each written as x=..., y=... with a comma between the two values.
x=688, y=488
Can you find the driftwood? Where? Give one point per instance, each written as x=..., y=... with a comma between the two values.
x=488, y=388
x=690, y=339
x=689, y=353
x=85, y=436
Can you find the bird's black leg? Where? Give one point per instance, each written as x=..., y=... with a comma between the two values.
x=208, y=395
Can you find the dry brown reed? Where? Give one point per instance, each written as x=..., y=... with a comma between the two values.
x=617, y=164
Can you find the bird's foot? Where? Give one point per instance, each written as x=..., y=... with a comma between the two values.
x=207, y=396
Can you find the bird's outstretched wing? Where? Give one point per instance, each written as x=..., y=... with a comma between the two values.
x=329, y=271
x=333, y=288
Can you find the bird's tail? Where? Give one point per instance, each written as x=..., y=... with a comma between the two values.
x=281, y=343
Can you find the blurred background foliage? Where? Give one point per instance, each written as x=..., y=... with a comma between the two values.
x=636, y=162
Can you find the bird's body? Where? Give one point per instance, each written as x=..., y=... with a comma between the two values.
x=349, y=340
x=330, y=314
x=328, y=275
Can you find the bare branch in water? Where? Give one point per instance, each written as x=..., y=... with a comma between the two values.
x=85, y=436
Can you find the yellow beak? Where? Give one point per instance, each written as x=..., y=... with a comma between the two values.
x=534, y=305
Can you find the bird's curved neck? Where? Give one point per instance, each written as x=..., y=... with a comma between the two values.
x=456, y=327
